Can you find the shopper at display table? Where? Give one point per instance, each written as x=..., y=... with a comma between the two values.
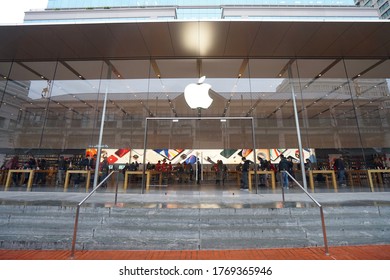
x=245, y=169
x=61, y=166
x=339, y=167
x=283, y=169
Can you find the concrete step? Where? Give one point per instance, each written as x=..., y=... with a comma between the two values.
x=51, y=227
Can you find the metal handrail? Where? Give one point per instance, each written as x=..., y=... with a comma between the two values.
x=76, y=221
x=321, y=211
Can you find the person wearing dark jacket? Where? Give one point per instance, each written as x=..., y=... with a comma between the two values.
x=339, y=166
x=283, y=169
x=61, y=170
x=105, y=169
x=290, y=170
x=244, y=170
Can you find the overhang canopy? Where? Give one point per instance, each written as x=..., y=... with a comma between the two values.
x=193, y=39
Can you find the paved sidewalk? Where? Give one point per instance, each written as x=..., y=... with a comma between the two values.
x=195, y=199
x=372, y=252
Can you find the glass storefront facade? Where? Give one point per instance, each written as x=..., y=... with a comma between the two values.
x=55, y=107
x=68, y=4
x=59, y=11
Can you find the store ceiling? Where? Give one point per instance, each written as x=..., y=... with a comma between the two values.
x=204, y=39
x=217, y=49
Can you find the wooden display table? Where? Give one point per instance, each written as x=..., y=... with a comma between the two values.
x=30, y=178
x=208, y=175
x=377, y=174
x=148, y=173
x=356, y=177
x=236, y=174
x=263, y=172
x=325, y=172
x=3, y=177
x=50, y=175
x=88, y=180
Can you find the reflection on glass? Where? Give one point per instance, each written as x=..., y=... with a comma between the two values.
x=55, y=107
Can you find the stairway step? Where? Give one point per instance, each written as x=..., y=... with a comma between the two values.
x=51, y=227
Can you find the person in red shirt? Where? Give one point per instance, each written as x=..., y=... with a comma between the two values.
x=164, y=166
x=158, y=166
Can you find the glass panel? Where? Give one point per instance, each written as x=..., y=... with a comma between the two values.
x=369, y=80
x=339, y=109
x=271, y=104
x=343, y=106
x=25, y=103
x=7, y=111
x=130, y=100
x=324, y=100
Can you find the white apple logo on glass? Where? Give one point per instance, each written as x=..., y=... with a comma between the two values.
x=197, y=95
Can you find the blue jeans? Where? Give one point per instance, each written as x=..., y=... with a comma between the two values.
x=340, y=176
x=284, y=179
x=244, y=179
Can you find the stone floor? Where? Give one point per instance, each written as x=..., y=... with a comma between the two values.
x=206, y=195
x=191, y=195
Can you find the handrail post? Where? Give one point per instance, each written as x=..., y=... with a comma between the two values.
x=116, y=189
x=76, y=221
x=324, y=231
x=254, y=155
x=319, y=206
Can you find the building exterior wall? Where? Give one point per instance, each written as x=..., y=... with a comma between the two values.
x=382, y=6
x=104, y=11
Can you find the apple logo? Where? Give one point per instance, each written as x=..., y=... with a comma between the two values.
x=197, y=95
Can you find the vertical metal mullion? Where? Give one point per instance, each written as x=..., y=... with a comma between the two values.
x=301, y=157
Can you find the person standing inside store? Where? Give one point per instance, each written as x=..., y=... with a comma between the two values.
x=221, y=172
x=13, y=164
x=244, y=173
x=339, y=166
x=199, y=170
x=85, y=163
x=262, y=167
x=291, y=171
x=92, y=163
x=105, y=169
x=61, y=170
x=283, y=169
x=308, y=165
